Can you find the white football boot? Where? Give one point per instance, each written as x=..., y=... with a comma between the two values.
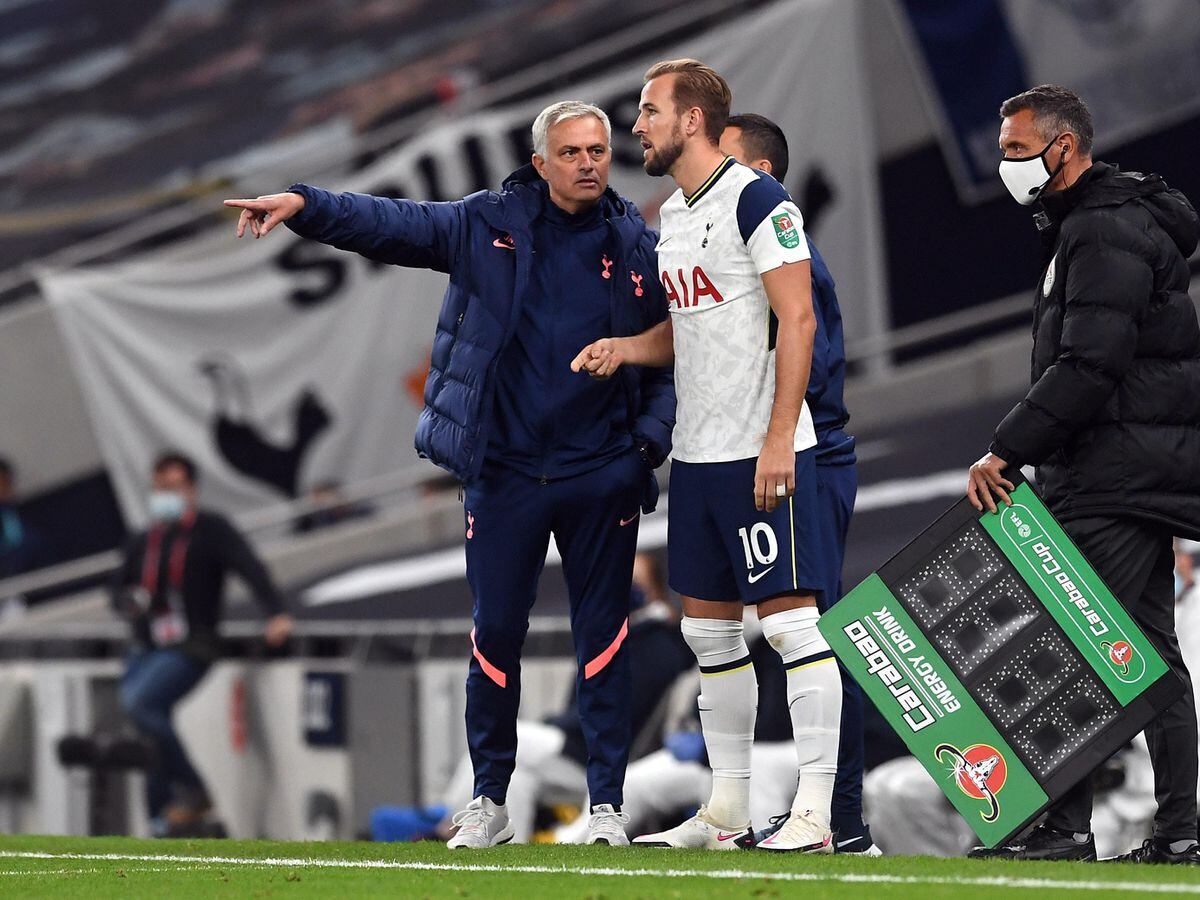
x=700, y=833
x=481, y=824
x=801, y=833
x=607, y=826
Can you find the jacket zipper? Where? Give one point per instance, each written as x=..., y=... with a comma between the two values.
x=548, y=426
x=486, y=401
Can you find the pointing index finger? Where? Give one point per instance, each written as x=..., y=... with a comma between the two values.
x=246, y=203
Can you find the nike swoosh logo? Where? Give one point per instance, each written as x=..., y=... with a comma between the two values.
x=632, y=518
x=663, y=242
x=722, y=836
x=503, y=244
x=850, y=841
x=753, y=578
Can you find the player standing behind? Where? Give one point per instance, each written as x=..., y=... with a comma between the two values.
x=759, y=143
x=735, y=268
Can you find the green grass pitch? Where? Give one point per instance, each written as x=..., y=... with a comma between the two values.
x=33, y=866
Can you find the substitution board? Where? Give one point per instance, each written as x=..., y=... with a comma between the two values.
x=1001, y=658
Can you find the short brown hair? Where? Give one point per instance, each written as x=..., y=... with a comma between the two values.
x=700, y=86
x=1055, y=109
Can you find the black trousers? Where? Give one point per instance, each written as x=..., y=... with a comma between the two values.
x=1137, y=561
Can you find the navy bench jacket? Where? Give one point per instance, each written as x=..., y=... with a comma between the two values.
x=484, y=243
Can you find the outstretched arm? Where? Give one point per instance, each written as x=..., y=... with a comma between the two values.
x=388, y=230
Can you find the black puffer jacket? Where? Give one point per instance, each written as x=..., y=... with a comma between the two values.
x=1113, y=418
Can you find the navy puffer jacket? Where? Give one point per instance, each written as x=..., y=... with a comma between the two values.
x=484, y=243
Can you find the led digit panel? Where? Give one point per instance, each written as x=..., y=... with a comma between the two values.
x=1007, y=650
x=1002, y=659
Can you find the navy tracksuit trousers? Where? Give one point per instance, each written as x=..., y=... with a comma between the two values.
x=837, y=486
x=509, y=520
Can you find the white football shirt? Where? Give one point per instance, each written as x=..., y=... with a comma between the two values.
x=712, y=252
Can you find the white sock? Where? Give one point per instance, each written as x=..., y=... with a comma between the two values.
x=814, y=693
x=728, y=705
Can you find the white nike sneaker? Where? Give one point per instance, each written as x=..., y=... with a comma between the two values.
x=607, y=826
x=700, y=833
x=481, y=824
x=801, y=833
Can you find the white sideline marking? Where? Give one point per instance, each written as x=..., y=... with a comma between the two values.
x=39, y=872
x=140, y=870
x=1040, y=884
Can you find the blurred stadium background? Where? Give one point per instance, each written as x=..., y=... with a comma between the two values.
x=130, y=321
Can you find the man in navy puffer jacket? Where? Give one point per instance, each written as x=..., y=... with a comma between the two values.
x=547, y=265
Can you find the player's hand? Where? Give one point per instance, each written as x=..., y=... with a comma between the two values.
x=600, y=359
x=262, y=214
x=985, y=479
x=279, y=629
x=776, y=466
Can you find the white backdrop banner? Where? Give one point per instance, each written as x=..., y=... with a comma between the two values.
x=281, y=363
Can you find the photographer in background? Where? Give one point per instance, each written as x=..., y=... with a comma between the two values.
x=171, y=586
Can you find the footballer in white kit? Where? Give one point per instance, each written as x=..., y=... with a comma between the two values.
x=714, y=247
x=742, y=520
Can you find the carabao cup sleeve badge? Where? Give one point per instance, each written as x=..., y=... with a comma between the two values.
x=785, y=231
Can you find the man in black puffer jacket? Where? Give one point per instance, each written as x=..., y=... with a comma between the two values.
x=1112, y=421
